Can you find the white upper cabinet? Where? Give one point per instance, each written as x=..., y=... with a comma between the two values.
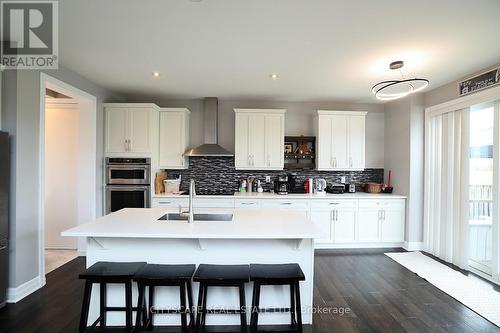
x=340, y=139
x=174, y=138
x=129, y=129
x=259, y=139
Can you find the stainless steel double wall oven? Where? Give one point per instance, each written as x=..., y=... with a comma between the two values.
x=128, y=183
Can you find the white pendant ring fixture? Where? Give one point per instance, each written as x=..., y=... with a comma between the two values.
x=394, y=89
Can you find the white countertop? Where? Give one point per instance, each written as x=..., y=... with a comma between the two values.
x=272, y=195
x=262, y=223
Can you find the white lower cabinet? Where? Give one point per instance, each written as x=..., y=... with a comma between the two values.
x=336, y=220
x=341, y=222
x=391, y=228
x=298, y=205
x=359, y=221
x=368, y=225
x=344, y=225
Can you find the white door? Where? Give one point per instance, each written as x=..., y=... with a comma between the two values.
x=356, y=142
x=369, y=224
x=274, y=141
x=324, y=157
x=139, y=130
x=257, y=140
x=323, y=220
x=392, y=225
x=339, y=142
x=344, y=225
x=116, y=130
x=241, y=141
x=171, y=140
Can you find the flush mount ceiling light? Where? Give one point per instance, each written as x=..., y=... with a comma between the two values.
x=273, y=76
x=394, y=89
x=155, y=74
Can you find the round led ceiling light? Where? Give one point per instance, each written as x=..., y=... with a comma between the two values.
x=394, y=89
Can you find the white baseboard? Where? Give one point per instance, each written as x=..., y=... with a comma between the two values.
x=413, y=246
x=366, y=245
x=14, y=295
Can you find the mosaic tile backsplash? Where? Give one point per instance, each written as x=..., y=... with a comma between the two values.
x=217, y=175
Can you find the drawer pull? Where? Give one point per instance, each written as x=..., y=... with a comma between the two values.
x=285, y=203
x=248, y=203
x=165, y=202
x=334, y=203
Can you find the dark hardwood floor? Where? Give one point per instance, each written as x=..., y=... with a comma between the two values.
x=357, y=291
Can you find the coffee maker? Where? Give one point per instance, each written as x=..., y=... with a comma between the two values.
x=282, y=185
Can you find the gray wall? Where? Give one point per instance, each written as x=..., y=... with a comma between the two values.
x=21, y=115
x=449, y=91
x=298, y=121
x=404, y=144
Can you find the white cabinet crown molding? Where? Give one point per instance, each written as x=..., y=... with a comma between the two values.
x=279, y=111
x=132, y=105
x=344, y=113
x=175, y=110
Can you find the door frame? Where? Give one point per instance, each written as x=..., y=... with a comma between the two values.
x=87, y=183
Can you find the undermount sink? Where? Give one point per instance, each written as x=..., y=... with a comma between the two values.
x=197, y=217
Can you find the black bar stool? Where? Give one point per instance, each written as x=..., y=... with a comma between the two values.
x=277, y=274
x=103, y=273
x=221, y=276
x=152, y=276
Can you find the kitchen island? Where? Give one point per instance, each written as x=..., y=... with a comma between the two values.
x=266, y=235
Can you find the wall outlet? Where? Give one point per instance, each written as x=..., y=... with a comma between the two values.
x=268, y=179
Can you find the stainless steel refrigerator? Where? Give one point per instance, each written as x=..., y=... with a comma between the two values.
x=4, y=214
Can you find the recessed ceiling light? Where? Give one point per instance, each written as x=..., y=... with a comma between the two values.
x=273, y=76
x=155, y=74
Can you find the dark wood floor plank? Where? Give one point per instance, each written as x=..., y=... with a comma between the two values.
x=375, y=293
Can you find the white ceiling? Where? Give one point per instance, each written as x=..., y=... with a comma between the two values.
x=321, y=49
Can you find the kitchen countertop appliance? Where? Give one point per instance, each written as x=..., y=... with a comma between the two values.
x=282, y=185
x=335, y=188
x=4, y=215
x=319, y=186
x=295, y=187
x=128, y=183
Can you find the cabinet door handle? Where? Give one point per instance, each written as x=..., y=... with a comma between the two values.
x=335, y=162
x=383, y=215
x=331, y=162
x=125, y=145
x=249, y=160
x=350, y=162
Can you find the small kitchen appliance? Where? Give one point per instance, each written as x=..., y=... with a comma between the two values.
x=320, y=186
x=282, y=185
x=335, y=188
x=295, y=187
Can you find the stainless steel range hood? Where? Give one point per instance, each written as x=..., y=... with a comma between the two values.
x=210, y=128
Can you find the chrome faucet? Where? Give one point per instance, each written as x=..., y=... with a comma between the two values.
x=192, y=193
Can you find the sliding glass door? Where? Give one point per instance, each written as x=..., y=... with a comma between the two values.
x=481, y=175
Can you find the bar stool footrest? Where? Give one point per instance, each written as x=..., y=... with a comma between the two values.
x=274, y=310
